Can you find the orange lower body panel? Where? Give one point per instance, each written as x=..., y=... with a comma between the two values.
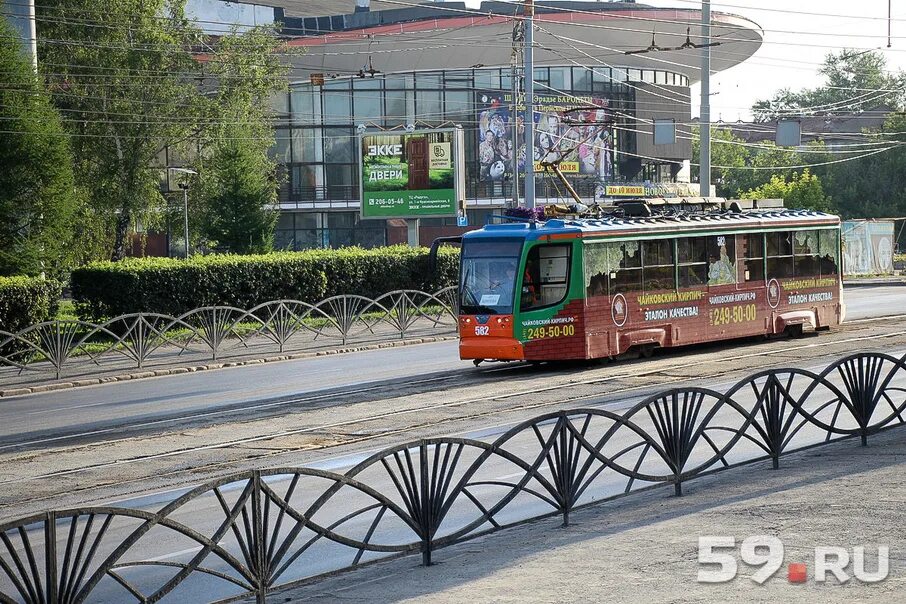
x=491, y=348
x=491, y=338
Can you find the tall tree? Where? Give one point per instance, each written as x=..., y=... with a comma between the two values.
x=240, y=194
x=854, y=81
x=238, y=186
x=135, y=77
x=122, y=74
x=738, y=166
x=37, y=198
x=801, y=191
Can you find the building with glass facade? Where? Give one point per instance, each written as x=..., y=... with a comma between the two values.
x=445, y=63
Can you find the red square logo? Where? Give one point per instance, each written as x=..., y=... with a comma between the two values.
x=797, y=573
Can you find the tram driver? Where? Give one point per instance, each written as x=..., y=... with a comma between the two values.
x=503, y=282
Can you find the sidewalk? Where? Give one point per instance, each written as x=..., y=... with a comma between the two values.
x=644, y=548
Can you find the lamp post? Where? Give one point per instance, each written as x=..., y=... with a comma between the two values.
x=185, y=205
x=528, y=76
x=705, y=110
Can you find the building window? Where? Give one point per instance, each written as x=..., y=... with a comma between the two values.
x=302, y=101
x=337, y=103
x=429, y=105
x=367, y=103
x=339, y=145
x=281, y=151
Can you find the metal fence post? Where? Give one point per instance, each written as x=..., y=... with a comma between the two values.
x=258, y=536
x=50, y=556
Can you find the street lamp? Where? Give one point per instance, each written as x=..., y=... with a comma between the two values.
x=185, y=204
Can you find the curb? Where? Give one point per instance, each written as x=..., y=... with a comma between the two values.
x=873, y=283
x=140, y=375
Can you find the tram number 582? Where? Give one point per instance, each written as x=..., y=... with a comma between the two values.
x=482, y=330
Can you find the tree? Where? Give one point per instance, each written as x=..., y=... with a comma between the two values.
x=240, y=195
x=237, y=182
x=37, y=198
x=122, y=74
x=874, y=185
x=135, y=77
x=801, y=191
x=854, y=81
x=738, y=166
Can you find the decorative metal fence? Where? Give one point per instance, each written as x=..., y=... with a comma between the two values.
x=251, y=532
x=139, y=339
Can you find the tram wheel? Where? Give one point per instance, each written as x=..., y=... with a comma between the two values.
x=795, y=331
x=477, y=362
x=647, y=350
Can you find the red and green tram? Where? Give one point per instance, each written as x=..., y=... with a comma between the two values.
x=600, y=288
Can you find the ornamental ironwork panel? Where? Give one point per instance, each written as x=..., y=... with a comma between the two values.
x=249, y=533
x=137, y=340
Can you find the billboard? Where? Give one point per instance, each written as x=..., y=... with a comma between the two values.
x=578, y=129
x=414, y=174
x=867, y=247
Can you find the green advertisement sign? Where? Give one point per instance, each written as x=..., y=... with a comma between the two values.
x=410, y=175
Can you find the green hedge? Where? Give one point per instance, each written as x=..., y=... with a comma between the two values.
x=25, y=301
x=171, y=286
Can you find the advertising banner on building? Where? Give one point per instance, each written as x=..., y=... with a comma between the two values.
x=576, y=130
x=411, y=174
x=867, y=247
x=661, y=189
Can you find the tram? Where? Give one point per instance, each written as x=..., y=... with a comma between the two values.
x=644, y=277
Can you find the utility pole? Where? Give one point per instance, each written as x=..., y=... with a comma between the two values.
x=21, y=15
x=705, y=112
x=518, y=37
x=529, y=77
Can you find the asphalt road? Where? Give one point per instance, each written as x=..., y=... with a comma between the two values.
x=205, y=514
x=145, y=406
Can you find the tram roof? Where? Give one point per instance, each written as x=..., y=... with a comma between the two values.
x=657, y=224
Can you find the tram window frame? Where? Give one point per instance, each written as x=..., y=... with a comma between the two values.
x=806, y=260
x=720, y=271
x=829, y=238
x=660, y=273
x=628, y=278
x=621, y=273
x=779, y=255
x=749, y=261
x=692, y=262
x=601, y=262
x=532, y=297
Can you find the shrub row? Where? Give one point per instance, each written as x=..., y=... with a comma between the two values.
x=171, y=286
x=25, y=301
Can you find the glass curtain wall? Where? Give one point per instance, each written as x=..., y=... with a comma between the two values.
x=317, y=132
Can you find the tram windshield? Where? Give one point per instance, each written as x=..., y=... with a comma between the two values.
x=488, y=278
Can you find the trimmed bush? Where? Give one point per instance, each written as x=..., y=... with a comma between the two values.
x=171, y=286
x=25, y=301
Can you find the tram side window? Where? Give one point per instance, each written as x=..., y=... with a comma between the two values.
x=750, y=249
x=602, y=263
x=546, y=278
x=628, y=276
x=829, y=248
x=721, y=260
x=805, y=252
x=692, y=258
x=657, y=260
x=780, y=255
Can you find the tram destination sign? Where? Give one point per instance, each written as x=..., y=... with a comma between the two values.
x=416, y=174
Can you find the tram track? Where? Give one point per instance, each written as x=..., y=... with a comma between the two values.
x=345, y=435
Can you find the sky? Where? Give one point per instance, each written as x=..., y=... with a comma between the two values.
x=791, y=60
x=795, y=44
